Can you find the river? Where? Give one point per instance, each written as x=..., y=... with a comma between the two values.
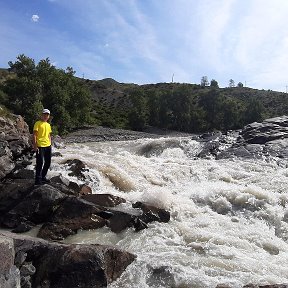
x=229, y=217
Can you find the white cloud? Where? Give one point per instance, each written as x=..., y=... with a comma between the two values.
x=35, y=18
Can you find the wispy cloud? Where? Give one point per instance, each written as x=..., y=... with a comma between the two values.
x=148, y=41
x=35, y=18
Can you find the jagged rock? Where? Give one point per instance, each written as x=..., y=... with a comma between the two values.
x=13, y=192
x=9, y=274
x=106, y=200
x=61, y=265
x=71, y=215
x=120, y=221
x=77, y=168
x=37, y=207
x=269, y=130
x=152, y=213
x=15, y=142
x=66, y=186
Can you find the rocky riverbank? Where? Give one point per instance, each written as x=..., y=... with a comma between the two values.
x=99, y=134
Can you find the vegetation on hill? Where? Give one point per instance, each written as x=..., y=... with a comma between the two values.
x=43, y=85
x=26, y=87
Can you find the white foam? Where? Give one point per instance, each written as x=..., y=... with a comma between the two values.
x=228, y=217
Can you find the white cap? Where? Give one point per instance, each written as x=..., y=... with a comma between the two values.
x=46, y=111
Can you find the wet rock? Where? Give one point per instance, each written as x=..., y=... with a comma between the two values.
x=152, y=213
x=65, y=185
x=161, y=277
x=106, y=200
x=77, y=168
x=120, y=221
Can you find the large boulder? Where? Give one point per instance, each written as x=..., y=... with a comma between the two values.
x=269, y=130
x=37, y=207
x=55, y=265
x=9, y=274
x=15, y=143
x=71, y=215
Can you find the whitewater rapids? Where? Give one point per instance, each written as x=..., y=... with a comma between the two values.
x=229, y=217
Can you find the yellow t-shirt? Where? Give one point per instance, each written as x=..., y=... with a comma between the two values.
x=43, y=131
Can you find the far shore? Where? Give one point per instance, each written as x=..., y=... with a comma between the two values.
x=100, y=134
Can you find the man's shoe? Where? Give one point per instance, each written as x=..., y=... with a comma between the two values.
x=45, y=180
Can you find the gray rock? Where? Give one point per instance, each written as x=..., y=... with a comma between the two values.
x=9, y=274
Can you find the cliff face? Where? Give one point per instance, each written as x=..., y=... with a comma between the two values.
x=15, y=143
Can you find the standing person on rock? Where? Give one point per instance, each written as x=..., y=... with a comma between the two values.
x=42, y=146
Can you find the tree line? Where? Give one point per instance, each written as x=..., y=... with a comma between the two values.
x=43, y=85
x=74, y=102
x=190, y=108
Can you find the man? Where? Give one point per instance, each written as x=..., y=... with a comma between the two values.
x=42, y=147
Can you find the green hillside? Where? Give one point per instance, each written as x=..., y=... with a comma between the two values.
x=28, y=86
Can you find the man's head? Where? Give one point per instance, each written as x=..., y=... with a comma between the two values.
x=45, y=115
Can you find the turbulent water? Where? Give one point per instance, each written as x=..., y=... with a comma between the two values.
x=229, y=218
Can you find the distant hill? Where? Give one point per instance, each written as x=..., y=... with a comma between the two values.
x=114, y=93
x=178, y=106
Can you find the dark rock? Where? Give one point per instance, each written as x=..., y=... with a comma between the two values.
x=65, y=185
x=106, y=200
x=56, y=154
x=120, y=221
x=139, y=224
x=23, y=227
x=20, y=258
x=26, y=282
x=27, y=269
x=77, y=168
x=152, y=213
x=61, y=265
x=70, y=186
x=269, y=130
x=23, y=174
x=71, y=215
x=37, y=207
x=13, y=192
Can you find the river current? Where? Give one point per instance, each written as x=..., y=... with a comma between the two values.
x=229, y=217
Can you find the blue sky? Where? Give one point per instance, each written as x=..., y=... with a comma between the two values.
x=148, y=41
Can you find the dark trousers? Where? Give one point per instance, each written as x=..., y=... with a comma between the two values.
x=43, y=156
